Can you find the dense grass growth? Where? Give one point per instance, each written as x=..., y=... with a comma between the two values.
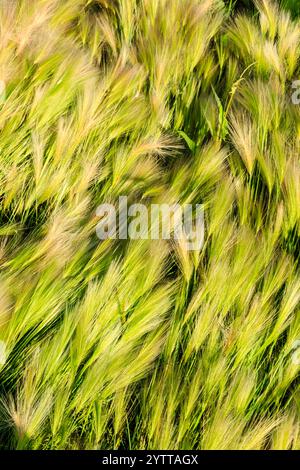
x=144, y=344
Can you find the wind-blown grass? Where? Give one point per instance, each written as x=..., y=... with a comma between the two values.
x=144, y=344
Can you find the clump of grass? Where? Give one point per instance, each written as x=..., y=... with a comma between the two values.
x=145, y=344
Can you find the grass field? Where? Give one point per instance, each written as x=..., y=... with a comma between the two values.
x=144, y=344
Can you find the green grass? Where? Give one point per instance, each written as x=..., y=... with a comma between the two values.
x=144, y=344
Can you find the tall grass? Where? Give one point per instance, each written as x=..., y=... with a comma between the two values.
x=144, y=344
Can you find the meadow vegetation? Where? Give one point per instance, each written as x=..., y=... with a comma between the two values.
x=143, y=344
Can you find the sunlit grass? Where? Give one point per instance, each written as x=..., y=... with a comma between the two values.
x=145, y=344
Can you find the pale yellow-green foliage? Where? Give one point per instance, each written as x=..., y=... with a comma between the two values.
x=144, y=344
